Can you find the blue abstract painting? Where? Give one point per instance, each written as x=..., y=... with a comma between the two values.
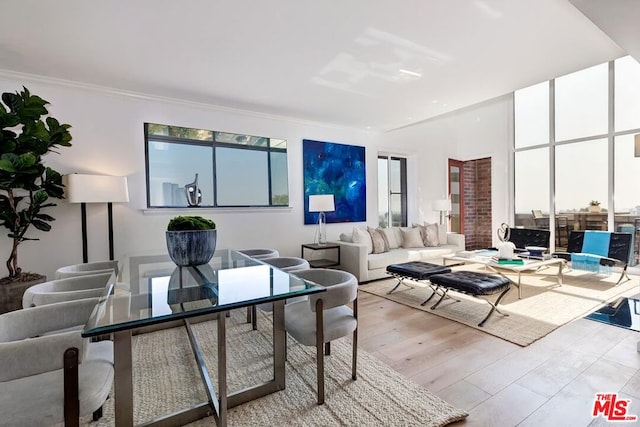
x=338, y=169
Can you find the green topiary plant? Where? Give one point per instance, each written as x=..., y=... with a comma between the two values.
x=191, y=240
x=26, y=184
x=190, y=223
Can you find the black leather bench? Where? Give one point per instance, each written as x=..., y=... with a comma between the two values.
x=414, y=270
x=471, y=283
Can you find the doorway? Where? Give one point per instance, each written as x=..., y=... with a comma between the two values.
x=470, y=190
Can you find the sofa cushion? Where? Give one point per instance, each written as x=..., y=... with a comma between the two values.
x=411, y=238
x=436, y=252
x=389, y=234
x=362, y=236
x=396, y=256
x=379, y=244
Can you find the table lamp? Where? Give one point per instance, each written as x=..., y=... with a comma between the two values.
x=321, y=203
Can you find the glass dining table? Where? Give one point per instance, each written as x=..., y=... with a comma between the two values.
x=150, y=292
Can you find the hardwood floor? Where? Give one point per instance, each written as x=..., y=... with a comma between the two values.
x=552, y=382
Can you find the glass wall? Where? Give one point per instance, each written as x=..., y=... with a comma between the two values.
x=584, y=167
x=581, y=103
x=532, y=111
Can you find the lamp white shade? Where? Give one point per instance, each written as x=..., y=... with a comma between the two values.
x=442, y=205
x=321, y=203
x=81, y=188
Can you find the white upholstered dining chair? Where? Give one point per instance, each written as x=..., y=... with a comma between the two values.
x=86, y=268
x=325, y=317
x=50, y=374
x=68, y=289
x=261, y=253
x=288, y=264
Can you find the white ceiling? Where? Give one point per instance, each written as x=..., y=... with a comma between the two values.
x=361, y=63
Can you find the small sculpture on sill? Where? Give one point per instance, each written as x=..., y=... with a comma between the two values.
x=194, y=195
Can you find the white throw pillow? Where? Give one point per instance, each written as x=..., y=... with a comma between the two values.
x=363, y=236
x=346, y=237
x=398, y=233
x=390, y=237
x=378, y=241
x=411, y=238
x=429, y=234
x=442, y=234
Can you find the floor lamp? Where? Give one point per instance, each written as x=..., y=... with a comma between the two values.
x=321, y=203
x=85, y=189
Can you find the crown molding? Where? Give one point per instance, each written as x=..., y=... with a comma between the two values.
x=36, y=78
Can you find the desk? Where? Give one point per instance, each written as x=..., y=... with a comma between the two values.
x=150, y=291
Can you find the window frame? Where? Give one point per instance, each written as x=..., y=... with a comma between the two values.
x=214, y=144
x=403, y=189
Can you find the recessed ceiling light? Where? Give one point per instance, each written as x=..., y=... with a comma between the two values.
x=435, y=101
x=409, y=72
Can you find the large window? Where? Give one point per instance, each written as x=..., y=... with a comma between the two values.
x=392, y=191
x=584, y=175
x=532, y=110
x=581, y=103
x=233, y=170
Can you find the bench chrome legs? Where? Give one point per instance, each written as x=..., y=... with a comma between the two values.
x=400, y=282
x=494, y=307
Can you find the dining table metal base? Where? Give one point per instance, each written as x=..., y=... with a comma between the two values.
x=218, y=402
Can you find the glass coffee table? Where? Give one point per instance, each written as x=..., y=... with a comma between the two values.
x=150, y=292
x=488, y=258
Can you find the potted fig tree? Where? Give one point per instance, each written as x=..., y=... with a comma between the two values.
x=191, y=240
x=27, y=186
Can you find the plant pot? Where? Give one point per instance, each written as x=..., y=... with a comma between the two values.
x=594, y=209
x=11, y=294
x=188, y=248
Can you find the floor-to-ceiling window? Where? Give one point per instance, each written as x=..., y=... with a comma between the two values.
x=574, y=160
x=392, y=191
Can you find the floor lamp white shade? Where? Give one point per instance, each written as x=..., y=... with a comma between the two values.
x=442, y=206
x=83, y=188
x=321, y=203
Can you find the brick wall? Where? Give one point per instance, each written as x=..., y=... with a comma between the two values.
x=477, y=203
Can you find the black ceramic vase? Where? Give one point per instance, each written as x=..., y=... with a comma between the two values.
x=187, y=248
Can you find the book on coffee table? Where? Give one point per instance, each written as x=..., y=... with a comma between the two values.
x=514, y=261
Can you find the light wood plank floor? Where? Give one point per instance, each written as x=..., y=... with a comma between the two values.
x=552, y=382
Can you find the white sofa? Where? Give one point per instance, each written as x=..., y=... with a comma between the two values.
x=357, y=258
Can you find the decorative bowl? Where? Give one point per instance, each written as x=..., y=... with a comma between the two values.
x=188, y=248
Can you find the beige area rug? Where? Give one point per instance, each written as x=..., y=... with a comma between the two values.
x=166, y=379
x=544, y=306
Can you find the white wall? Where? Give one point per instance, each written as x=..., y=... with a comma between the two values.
x=107, y=130
x=108, y=138
x=483, y=130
